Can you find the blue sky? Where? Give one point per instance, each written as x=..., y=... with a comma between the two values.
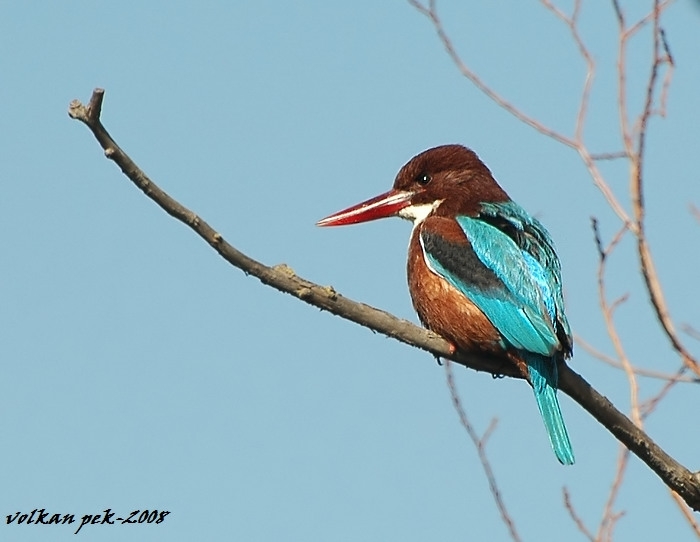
x=140, y=371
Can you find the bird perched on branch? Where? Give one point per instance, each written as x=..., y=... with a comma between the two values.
x=482, y=272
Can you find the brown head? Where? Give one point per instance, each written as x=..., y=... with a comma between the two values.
x=447, y=181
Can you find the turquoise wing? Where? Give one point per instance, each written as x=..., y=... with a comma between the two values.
x=507, y=284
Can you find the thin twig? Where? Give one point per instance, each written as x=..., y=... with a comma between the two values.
x=695, y=212
x=431, y=13
x=668, y=76
x=572, y=24
x=648, y=373
x=608, y=309
x=610, y=518
x=618, y=12
x=687, y=513
x=651, y=279
x=609, y=155
x=648, y=406
x=691, y=331
x=575, y=517
x=480, y=445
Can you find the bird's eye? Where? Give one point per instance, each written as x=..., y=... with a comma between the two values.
x=423, y=179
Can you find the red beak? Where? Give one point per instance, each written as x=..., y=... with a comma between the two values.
x=382, y=206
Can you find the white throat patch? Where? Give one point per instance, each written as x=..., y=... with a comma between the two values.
x=418, y=213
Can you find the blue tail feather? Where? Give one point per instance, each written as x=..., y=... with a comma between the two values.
x=543, y=377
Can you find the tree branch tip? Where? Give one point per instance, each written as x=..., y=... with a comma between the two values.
x=489, y=431
x=90, y=113
x=75, y=109
x=667, y=49
x=96, y=99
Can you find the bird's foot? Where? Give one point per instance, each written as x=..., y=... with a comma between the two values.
x=452, y=350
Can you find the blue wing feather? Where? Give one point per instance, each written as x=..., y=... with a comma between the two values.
x=532, y=237
x=518, y=308
x=516, y=283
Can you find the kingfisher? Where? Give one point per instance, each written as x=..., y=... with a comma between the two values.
x=482, y=272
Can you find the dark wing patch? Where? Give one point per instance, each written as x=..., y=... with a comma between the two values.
x=460, y=261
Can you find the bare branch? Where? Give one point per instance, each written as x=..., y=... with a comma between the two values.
x=431, y=13
x=572, y=24
x=281, y=277
x=649, y=273
x=674, y=474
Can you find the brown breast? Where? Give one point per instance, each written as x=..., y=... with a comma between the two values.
x=443, y=309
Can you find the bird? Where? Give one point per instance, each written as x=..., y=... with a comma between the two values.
x=482, y=272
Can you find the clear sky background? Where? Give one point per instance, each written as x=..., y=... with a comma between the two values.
x=140, y=371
